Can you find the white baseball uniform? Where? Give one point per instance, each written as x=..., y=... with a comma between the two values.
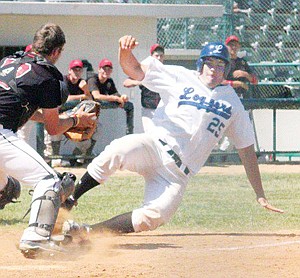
x=188, y=122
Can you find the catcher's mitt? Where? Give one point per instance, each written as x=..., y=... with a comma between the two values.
x=79, y=134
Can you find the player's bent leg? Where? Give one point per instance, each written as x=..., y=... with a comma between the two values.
x=136, y=221
x=120, y=224
x=147, y=219
x=164, y=191
x=10, y=193
x=158, y=211
x=46, y=200
x=122, y=154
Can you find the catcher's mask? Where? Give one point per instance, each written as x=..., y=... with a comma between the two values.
x=216, y=50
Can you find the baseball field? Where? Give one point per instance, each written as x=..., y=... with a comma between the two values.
x=218, y=231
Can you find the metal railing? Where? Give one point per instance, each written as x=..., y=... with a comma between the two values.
x=275, y=102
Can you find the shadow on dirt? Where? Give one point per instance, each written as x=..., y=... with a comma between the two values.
x=221, y=234
x=146, y=246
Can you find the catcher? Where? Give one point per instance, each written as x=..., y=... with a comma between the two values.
x=29, y=81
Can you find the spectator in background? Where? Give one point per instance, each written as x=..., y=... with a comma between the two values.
x=103, y=89
x=240, y=74
x=239, y=77
x=76, y=85
x=149, y=99
x=78, y=90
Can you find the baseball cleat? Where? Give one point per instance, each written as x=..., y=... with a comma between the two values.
x=74, y=230
x=63, y=239
x=31, y=249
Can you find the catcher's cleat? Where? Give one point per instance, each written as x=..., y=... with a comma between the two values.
x=31, y=249
x=62, y=239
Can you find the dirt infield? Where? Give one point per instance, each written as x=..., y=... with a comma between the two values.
x=156, y=254
x=165, y=254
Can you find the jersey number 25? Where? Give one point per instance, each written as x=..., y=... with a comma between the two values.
x=215, y=127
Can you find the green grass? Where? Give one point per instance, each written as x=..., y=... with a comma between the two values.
x=212, y=203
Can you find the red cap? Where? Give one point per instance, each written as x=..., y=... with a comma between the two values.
x=105, y=63
x=28, y=48
x=155, y=46
x=76, y=64
x=231, y=38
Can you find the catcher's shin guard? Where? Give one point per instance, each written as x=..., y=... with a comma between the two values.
x=46, y=203
x=10, y=193
x=67, y=185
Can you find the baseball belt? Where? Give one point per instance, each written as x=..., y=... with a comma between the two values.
x=175, y=157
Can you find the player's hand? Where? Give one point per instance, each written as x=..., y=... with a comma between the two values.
x=127, y=42
x=264, y=203
x=120, y=100
x=124, y=98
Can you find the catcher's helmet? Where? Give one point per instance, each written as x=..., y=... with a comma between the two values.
x=217, y=50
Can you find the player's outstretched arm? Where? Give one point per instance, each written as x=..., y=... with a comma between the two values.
x=58, y=124
x=128, y=62
x=249, y=160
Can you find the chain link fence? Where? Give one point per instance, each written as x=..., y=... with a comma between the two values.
x=269, y=31
x=191, y=33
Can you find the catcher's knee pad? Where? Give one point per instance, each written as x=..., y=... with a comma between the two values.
x=145, y=219
x=67, y=184
x=46, y=200
x=10, y=193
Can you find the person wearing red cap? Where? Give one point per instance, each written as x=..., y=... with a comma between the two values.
x=76, y=85
x=240, y=74
x=239, y=77
x=103, y=89
x=149, y=99
x=78, y=90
